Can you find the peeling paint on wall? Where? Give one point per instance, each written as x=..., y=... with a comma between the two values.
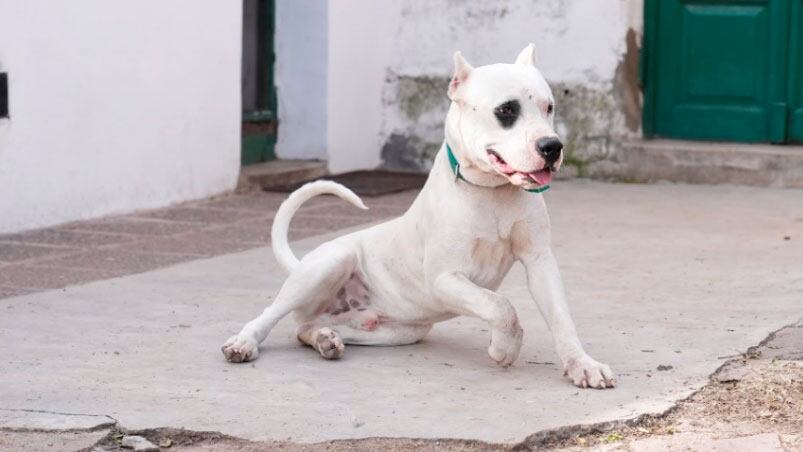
x=415, y=108
x=626, y=82
x=586, y=118
x=588, y=51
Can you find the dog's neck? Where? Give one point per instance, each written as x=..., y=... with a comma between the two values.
x=457, y=169
x=465, y=171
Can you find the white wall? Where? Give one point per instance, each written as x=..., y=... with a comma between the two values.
x=301, y=64
x=361, y=35
x=116, y=106
x=577, y=40
x=375, y=43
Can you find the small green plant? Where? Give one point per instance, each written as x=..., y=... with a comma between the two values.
x=613, y=437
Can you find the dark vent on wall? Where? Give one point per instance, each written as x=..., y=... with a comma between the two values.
x=3, y=95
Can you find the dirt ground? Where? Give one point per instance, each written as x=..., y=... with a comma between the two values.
x=756, y=397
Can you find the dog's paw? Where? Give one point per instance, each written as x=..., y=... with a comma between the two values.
x=240, y=349
x=329, y=344
x=585, y=372
x=505, y=346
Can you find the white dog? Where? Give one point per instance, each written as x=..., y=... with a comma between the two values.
x=479, y=212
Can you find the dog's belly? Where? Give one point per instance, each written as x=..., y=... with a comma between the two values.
x=390, y=286
x=401, y=297
x=394, y=278
x=351, y=306
x=365, y=306
x=398, y=290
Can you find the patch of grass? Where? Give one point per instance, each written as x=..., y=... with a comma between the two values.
x=613, y=437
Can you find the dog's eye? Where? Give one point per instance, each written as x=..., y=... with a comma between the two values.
x=506, y=110
x=550, y=108
x=507, y=113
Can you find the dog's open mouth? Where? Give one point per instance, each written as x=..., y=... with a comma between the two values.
x=539, y=177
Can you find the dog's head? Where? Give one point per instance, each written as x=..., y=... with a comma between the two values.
x=502, y=115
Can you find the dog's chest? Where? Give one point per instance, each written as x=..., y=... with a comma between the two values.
x=491, y=257
x=490, y=250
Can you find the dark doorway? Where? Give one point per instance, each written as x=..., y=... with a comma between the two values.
x=258, y=90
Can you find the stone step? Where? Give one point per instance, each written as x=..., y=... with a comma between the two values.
x=697, y=162
x=280, y=172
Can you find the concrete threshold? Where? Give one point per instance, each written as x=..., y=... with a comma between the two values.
x=697, y=162
x=281, y=172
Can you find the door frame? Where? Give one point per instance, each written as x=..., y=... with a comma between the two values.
x=794, y=127
x=260, y=127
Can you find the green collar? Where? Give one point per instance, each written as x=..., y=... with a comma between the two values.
x=455, y=165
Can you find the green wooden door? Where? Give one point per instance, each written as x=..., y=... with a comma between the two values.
x=717, y=69
x=795, y=84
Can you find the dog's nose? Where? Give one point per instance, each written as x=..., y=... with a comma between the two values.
x=549, y=148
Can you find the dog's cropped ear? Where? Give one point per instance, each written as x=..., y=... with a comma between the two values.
x=527, y=56
x=462, y=70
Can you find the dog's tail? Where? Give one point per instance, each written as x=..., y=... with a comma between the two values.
x=281, y=223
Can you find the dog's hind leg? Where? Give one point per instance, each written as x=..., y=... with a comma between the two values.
x=328, y=334
x=322, y=338
x=384, y=334
x=317, y=279
x=329, y=340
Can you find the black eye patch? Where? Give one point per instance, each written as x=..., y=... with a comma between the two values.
x=508, y=113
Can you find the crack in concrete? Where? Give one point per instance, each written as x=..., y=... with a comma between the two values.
x=177, y=436
x=102, y=426
x=548, y=437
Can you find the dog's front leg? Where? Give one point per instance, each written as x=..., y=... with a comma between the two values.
x=546, y=287
x=461, y=296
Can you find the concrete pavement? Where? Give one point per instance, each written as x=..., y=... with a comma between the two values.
x=665, y=277
x=103, y=248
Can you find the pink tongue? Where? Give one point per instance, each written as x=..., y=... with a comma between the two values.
x=543, y=176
